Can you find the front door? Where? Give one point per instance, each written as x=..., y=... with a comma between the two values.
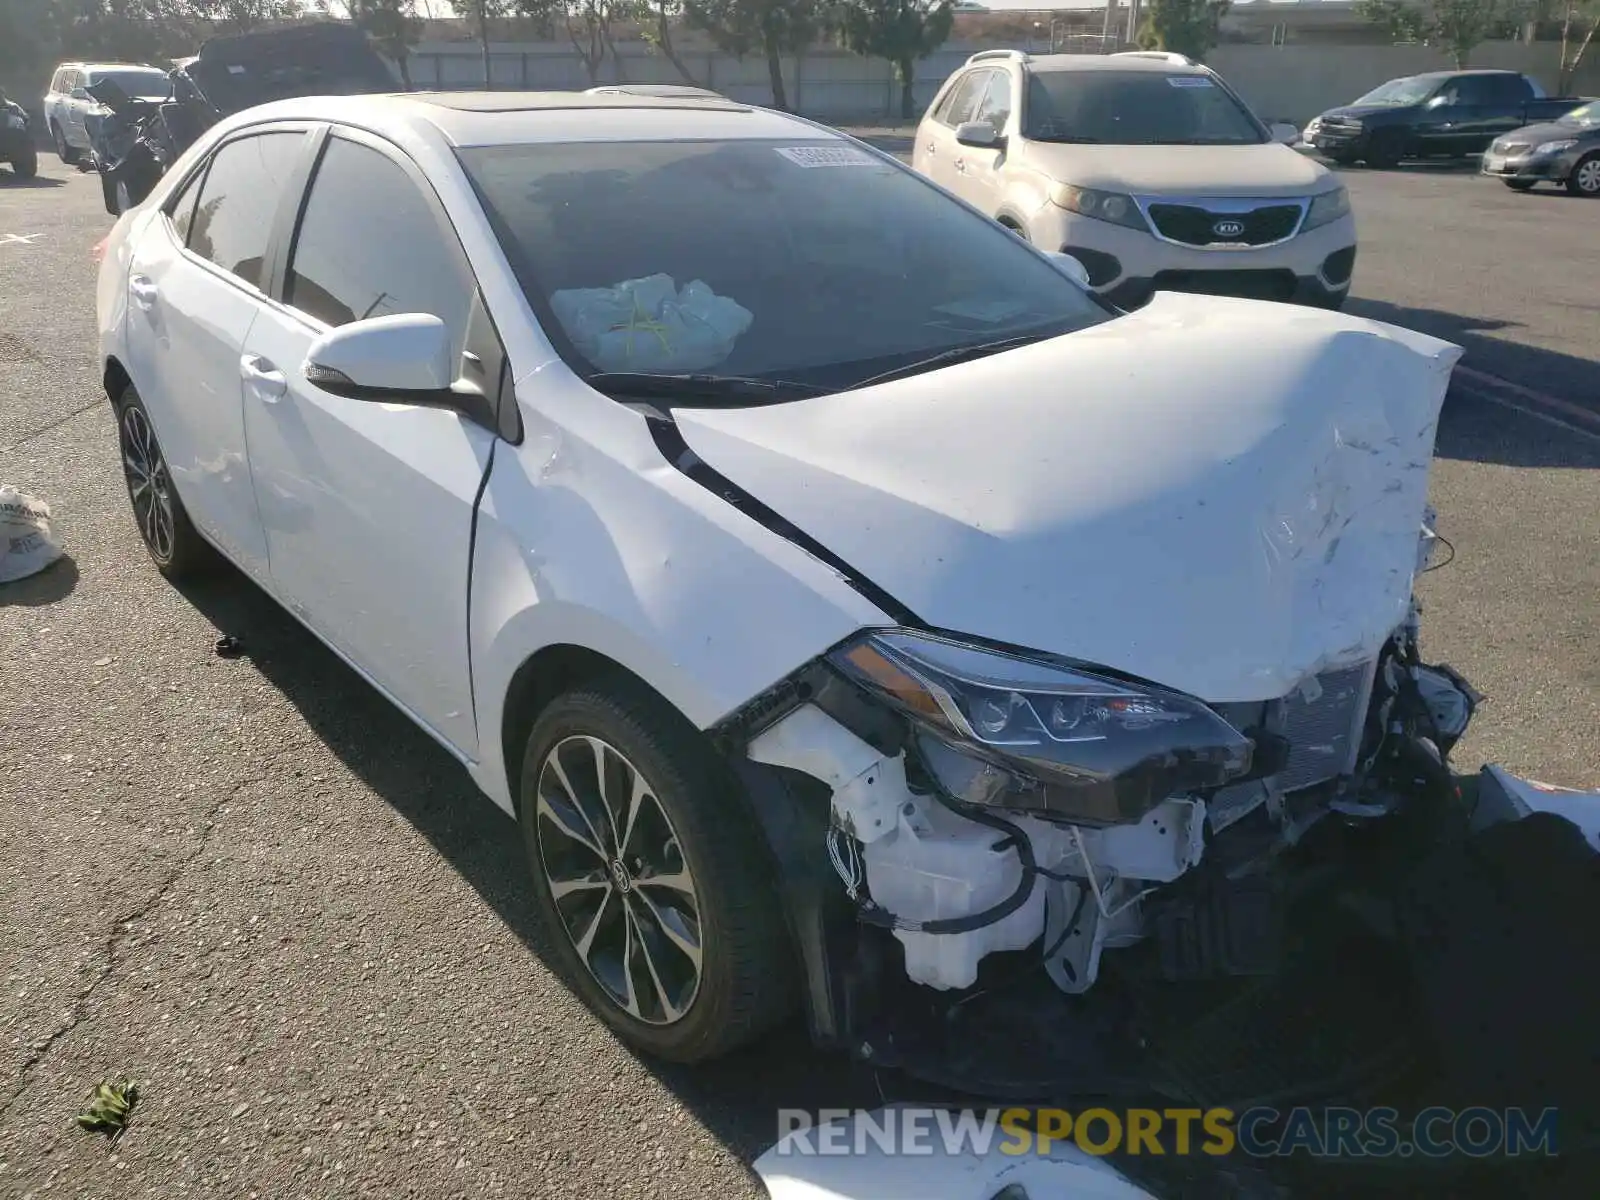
x=368, y=506
x=978, y=167
x=194, y=292
x=939, y=150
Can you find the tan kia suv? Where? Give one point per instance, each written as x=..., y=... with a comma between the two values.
x=1148, y=169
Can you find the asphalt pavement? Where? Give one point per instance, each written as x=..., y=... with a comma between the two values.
x=251, y=885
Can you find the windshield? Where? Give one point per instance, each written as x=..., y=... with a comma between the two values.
x=1585, y=115
x=812, y=263
x=1125, y=108
x=148, y=82
x=1412, y=90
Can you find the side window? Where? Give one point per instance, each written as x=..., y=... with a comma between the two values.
x=181, y=210
x=1507, y=89
x=347, y=266
x=239, y=199
x=964, y=98
x=55, y=81
x=1474, y=89
x=995, y=106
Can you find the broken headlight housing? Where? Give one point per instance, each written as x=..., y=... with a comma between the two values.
x=996, y=728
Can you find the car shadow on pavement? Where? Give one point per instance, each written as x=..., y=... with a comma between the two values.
x=1486, y=432
x=9, y=179
x=736, y=1098
x=55, y=582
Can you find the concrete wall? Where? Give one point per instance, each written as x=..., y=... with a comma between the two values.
x=1289, y=82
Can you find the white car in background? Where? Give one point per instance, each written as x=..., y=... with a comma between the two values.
x=69, y=110
x=1145, y=167
x=825, y=580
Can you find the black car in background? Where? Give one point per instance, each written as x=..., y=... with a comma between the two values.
x=16, y=139
x=1440, y=114
x=140, y=139
x=1565, y=151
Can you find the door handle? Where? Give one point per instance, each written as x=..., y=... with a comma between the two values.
x=931, y=147
x=262, y=378
x=144, y=292
x=961, y=166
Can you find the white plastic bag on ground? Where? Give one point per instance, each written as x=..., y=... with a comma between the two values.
x=650, y=325
x=26, y=544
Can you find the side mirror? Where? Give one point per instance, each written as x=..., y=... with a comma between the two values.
x=1285, y=133
x=401, y=359
x=1069, y=266
x=977, y=133
x=79, y=93
x=1440, y=101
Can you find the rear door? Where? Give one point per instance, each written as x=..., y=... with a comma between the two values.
x=368, y=506
x=939, y=149
x=195, y=289
x=72, y=109
x=1505, y=109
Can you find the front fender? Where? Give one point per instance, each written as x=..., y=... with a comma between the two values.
x=614, y=551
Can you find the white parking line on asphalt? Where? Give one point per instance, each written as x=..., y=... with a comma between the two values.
x=19, y=239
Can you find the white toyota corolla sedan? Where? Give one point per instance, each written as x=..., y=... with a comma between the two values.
x=837, y=593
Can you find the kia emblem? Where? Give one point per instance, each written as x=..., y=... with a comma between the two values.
x=1228, y=229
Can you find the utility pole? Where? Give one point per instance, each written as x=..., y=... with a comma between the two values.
x=1133, y=20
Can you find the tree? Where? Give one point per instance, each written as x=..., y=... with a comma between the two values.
x=393, y=27
x=1187, y=27
x=481, y=12
x=1456, y=26
x=244, y=16
x=588, y=24
x=774, y=27
x=655, y=26
x=901, y=31
x=1577, y=11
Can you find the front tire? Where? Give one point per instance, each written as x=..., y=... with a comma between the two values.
x=63, y=151
x=650, y=880
x=1385, y=151
x=169, y=536
x=1585, y=177
x=1519, y=185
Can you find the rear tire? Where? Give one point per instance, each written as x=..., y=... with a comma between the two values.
x=63, y=151
x=171, y=539
x=26, y=164
x=108, y=193
x=687, y=970
x=1585, y=177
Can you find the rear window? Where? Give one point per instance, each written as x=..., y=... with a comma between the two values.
x=149, y=83
x=1136, y=108
x=816, y=262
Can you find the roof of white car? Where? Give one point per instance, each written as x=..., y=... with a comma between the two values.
x=508, y=118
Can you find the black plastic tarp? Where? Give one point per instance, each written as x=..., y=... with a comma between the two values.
x=235, y=73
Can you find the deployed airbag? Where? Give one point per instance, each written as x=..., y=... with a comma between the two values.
x=650, y=324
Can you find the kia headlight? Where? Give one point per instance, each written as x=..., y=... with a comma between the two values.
x=1327, y=208
x=1115, y=207
x=1000, y=729
x=1555, y=147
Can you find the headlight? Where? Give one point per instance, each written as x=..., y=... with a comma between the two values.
x=1555, y=147
x=998, y=728
x=16, y=121
x=1327, y=208
x=1102, y=206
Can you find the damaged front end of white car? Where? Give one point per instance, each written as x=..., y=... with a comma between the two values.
x=1152, y=778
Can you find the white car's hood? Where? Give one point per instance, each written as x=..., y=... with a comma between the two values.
x=1266, y=170
x=1218, y=495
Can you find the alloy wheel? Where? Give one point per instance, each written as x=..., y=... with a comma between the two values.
x=1588, y=176
x=618, y=880
x=149, y=483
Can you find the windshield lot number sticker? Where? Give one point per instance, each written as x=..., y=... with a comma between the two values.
x=1188, y=81
x=827, y=156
